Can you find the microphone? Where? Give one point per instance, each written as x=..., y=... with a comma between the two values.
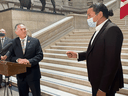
x=2, y=34
x=5, y=49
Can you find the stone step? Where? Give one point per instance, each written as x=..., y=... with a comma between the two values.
x=124, y=62
x=77, y=37
x=70, y=61
x=64, y=56
x=124, y=55
x=58, y=51
x=68, y=47
x=124, y=90
x=84, y=40
x=71, y=44
x=71, y=69
x=125, y=45
x=73, y=78
x=125, y=33
x=48, y=90
x=82, y=80
x=64, y=68
x=75, y=40
x=124, y=50
x=65, y=87
x=67, y=62
x=73, y=88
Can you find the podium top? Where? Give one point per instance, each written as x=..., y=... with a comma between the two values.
x=12, y=68
x=13, y=63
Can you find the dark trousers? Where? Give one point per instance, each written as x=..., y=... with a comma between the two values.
x=0, y=79
x=94, y=92
x=23, y=87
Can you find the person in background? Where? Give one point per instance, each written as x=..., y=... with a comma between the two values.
x=103, y=54
x=4, y=41
x=27, y=50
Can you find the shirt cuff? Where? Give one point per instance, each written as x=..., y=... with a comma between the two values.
x=77, y=56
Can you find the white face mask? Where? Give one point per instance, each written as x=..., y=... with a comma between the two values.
x=91, y=23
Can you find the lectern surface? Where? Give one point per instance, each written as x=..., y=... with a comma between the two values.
x=12, y=68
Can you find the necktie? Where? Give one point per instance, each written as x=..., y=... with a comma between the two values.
x=22, y=44
x=2, y=41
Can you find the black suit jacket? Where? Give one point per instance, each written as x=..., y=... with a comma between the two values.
x=6, y=41
x=33, y=53
x=103, y=59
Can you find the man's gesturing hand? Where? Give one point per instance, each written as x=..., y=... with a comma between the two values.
x=71, y=54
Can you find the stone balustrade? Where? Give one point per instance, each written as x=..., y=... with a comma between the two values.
x=54, y=31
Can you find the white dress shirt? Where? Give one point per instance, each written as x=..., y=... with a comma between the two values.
x=2, y=41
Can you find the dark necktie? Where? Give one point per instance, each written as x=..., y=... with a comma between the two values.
x=2, y=41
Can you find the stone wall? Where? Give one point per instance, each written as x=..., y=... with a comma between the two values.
x=34, y=21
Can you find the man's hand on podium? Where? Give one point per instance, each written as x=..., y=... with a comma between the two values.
x=23, y=61
x=3, y=57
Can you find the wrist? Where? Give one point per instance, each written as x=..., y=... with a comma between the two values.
x=17, y=60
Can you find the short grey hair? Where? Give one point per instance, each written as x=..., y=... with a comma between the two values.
x=17, y=25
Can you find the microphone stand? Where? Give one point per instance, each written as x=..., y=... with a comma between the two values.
x=7, y=87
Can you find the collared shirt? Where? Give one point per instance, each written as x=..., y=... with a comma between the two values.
x=25, y=41
x=2, y=41
x=98, y=29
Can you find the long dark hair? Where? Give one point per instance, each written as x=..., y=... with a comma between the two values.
x=101, y=7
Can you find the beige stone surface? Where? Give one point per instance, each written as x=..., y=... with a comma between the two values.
x=34, y=21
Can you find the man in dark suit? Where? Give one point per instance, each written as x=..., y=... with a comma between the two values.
x=27, y=50
x=4, y=41
x=44, y=3
x=103, y=53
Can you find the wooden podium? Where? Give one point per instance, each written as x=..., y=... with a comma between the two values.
x=10, y=69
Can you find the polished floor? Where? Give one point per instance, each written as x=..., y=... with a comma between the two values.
x=14, y=92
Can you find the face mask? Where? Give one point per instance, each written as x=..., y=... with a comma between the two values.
x=91, y=23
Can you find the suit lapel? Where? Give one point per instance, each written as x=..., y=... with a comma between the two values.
x=97, y=36
x=27, y=43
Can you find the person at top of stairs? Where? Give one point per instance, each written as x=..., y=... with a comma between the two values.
x=103, y=53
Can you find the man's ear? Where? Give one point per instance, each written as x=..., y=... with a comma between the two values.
x=100, y=14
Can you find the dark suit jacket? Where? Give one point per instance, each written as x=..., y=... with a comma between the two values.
x=33, y=53
x=103, y=59
x=6, y=41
